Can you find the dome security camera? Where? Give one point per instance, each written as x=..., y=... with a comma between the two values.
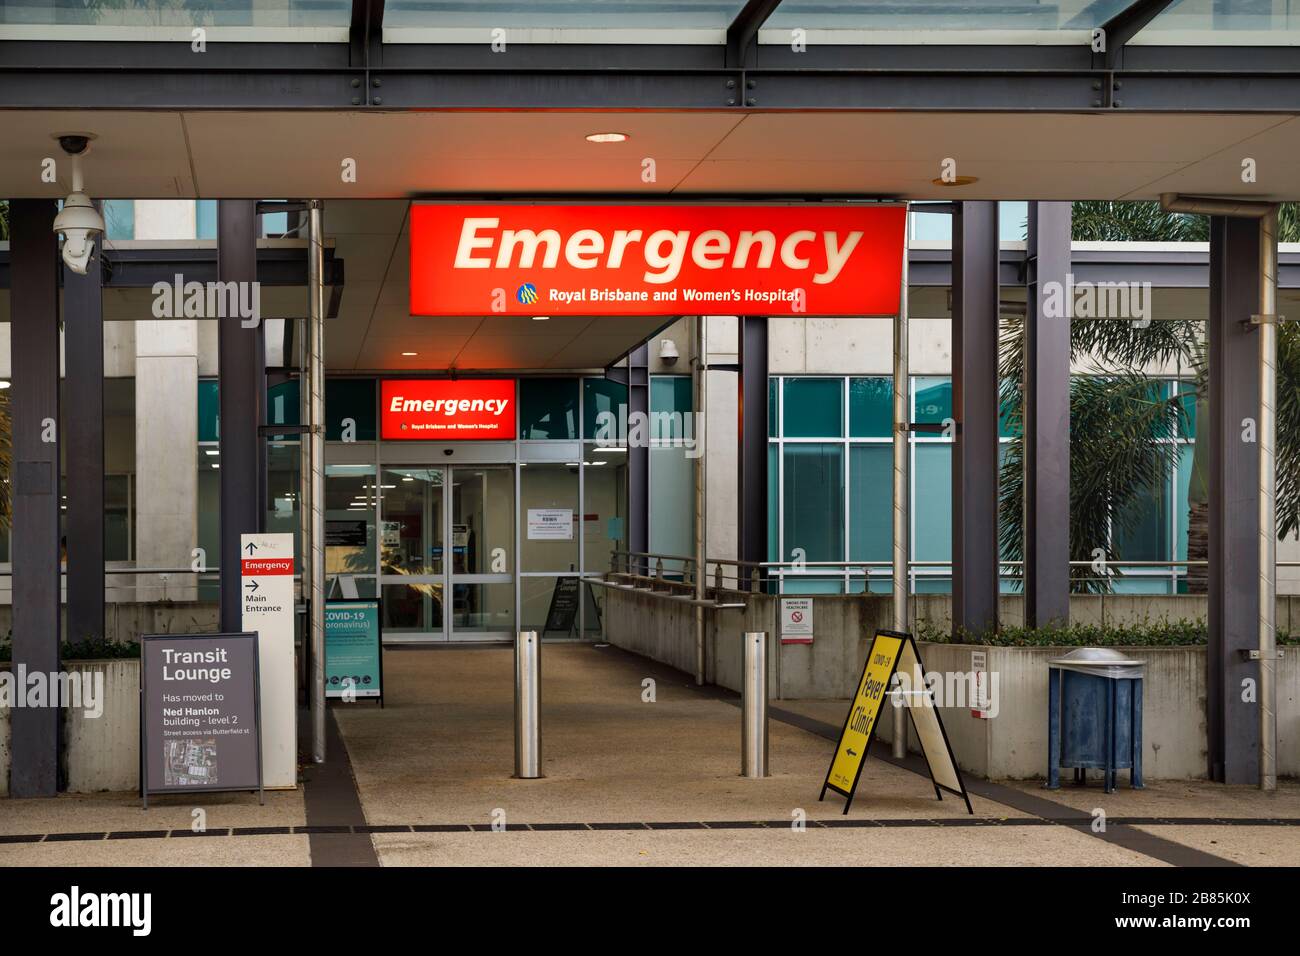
x=78, y=221
x=668, y=351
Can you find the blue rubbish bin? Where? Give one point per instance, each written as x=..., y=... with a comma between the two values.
x=1094, y=715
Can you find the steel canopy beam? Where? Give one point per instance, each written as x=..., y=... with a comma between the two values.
x=51, y=74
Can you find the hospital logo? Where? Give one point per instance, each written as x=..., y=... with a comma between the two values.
x=527, y=294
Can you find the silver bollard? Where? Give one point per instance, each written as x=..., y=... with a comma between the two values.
x=753, y=707
x=528, y=700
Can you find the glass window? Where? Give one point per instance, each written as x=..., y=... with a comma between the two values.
x=209, y=407
x=933, y=502
x=205, y=219
x=349, y=398
x=548, y=408
x=915, y=22
x=670, y=405
x=119, y=218
x=933, y=399
x=871, y=407
x=773, y=504
x=1147, y=537
x=1222, y=22
x=118, y=543
x=349, y=522
x=604, y=525
x=814, y=501
x=871, y=502
x=813, y=408
x=773, y=409
x=1187, y=397
x=549, y=486
x=144, y=18
x=458, y=21
x=602, y=401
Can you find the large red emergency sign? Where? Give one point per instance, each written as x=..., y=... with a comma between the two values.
x=447, y=409
x=814, y=259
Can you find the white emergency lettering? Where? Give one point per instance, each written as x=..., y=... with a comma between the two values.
x=663, y=251
x=448, y=406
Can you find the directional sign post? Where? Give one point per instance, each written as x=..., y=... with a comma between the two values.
x=266, y=587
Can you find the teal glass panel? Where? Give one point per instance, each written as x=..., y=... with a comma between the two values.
x=813, y=408
x=871, y=506
x=548, y=408
x=933, y=502
x=1147, y=538
x=119, y=218
x=670, y=404
x=601, y=402
x=1182, y=483
x=773, y=506
x=1187, y=397
x=799, y=584
x=871, y=407
x=933, y=399
x=352, y=398
x=208, y=410
x=205, y=219
x=814, y=501
x=773, y=409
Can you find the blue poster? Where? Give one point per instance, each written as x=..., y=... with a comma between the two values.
x=352, y=649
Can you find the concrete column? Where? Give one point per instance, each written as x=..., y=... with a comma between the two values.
x=166, y=440
x=975, y=408
x=1047, y=421
x=751, y=458
x=242, y=371
x=34, y=543
x=1233, y=724
x=166, y=428
x=83, y=321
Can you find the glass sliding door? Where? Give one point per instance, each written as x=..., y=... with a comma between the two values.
x=447, y=553
x=411, y=552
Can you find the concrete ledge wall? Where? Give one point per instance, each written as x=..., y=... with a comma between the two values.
x=1012, y=745
x=126, y=622
x=102, y=753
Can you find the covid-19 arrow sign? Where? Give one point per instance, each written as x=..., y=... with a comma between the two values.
x=266, y=591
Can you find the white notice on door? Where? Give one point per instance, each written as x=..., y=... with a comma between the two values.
x=550, y=524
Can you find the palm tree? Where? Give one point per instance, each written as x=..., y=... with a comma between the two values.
x=1119, y=417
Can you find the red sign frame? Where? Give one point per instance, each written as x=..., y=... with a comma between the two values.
x=440, y=409
x=656, y=259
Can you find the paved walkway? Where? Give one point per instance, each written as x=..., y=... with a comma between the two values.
x=426, y=781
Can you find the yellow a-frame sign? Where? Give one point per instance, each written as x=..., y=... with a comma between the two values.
x=892, y=652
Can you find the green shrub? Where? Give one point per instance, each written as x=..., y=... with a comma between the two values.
x=88, y=650
x=1145, y=633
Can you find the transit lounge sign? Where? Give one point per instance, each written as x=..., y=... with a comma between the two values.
x=447, y=409
x=685, y=259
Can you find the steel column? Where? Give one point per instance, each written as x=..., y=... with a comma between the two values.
x=902, y=489
x=1234, y=552
x=1047, y=420
x=83, y=349
x=316, y=438
x=700, y=373
x=638, y=458
x=34, y=542
x=751, y=461
x=975, y=408
x=241, y=375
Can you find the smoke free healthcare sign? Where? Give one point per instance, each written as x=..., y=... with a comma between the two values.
x=743, y=259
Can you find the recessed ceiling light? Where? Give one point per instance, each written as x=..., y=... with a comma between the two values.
x=955, y=181
x=4, y=383
x=410, y=354
x=606, y=137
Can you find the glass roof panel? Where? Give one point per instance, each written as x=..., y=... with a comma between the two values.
x=1224, y=23
x=247, y=20
x=940, y=21
x=561, y=21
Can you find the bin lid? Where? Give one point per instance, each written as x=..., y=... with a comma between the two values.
x=1102, y=661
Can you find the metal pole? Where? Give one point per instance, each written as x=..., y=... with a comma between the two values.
x=304, y=503
x=528, y=704
x=753, y=707
x=1267, y=500
x=701, y=510
x=902, y=484
x=316, y=378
